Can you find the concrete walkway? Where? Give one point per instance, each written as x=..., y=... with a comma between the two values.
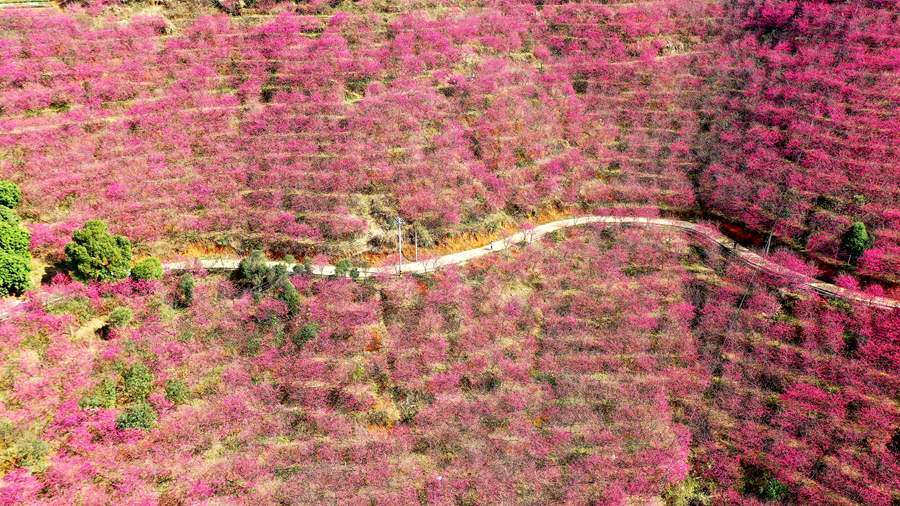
x=751, y=258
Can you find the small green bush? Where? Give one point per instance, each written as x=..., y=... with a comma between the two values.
x=18, y=449
x=287, y=293
x=104, y=396
x=762, y=484
x=688, y=492
x=306, y=333
x=10, y=194
x=426, y=240
x=14, y=238
x=304, y=267
x=28, y=452
x=184, y=291
x=139, y=415
x=120, y=317
x=177, y=391
x=138, y=382
x=96, y=255
x=856, y=240
x=15, y=272
x=253, y=273
x=343, y=268
x=148, y=268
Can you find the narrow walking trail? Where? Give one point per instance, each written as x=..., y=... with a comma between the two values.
x=527, y=236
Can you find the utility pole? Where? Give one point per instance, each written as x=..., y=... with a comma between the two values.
x=399, y=245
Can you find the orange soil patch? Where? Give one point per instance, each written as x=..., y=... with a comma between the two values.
x=471, y=240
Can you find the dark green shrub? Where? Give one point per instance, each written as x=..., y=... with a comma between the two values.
x=343, y=268
x=148, y=268
x=95, y=254
x=306, y=333
x=856, y=240
x=304, y=267
x=104, y=396
x=184, y=291
x=139, y=415
x=14, y=238
x=10, y=194
x=762, y=484
x=287, y=293
x=15, y=271
x=253, y=273
x=138, y=381
x=120, y=317
x=176, y=391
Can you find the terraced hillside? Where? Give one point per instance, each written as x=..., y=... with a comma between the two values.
x=801, y=138
x=609, y=365
x=307, y=133
x=666, y=232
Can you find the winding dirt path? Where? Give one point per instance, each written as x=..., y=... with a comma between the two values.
x=430, y=265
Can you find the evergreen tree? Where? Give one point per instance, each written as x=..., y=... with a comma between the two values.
x=95, y=254
x=856, y=240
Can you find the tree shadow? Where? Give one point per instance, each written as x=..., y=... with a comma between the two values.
x=52, y=270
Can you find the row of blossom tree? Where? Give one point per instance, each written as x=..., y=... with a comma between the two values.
x=310, y=131
x=608, y=365
x=801, y=127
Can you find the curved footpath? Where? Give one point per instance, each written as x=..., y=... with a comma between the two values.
x=754, y=260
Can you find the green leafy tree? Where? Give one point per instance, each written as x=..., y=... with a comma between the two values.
x=95, y=254
x=10, y=194
x=14, y=238
x=8, y=216
x=120, y=317
x=138, y=381
x=343, y=268
x=139, y=415
x=177, y=391
x=856, y=240
x=306, y=333
x=148, y=268
x=287, y=293
x=184, y=291
x=15, y=272
x=15, y=259
x=253, y=273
